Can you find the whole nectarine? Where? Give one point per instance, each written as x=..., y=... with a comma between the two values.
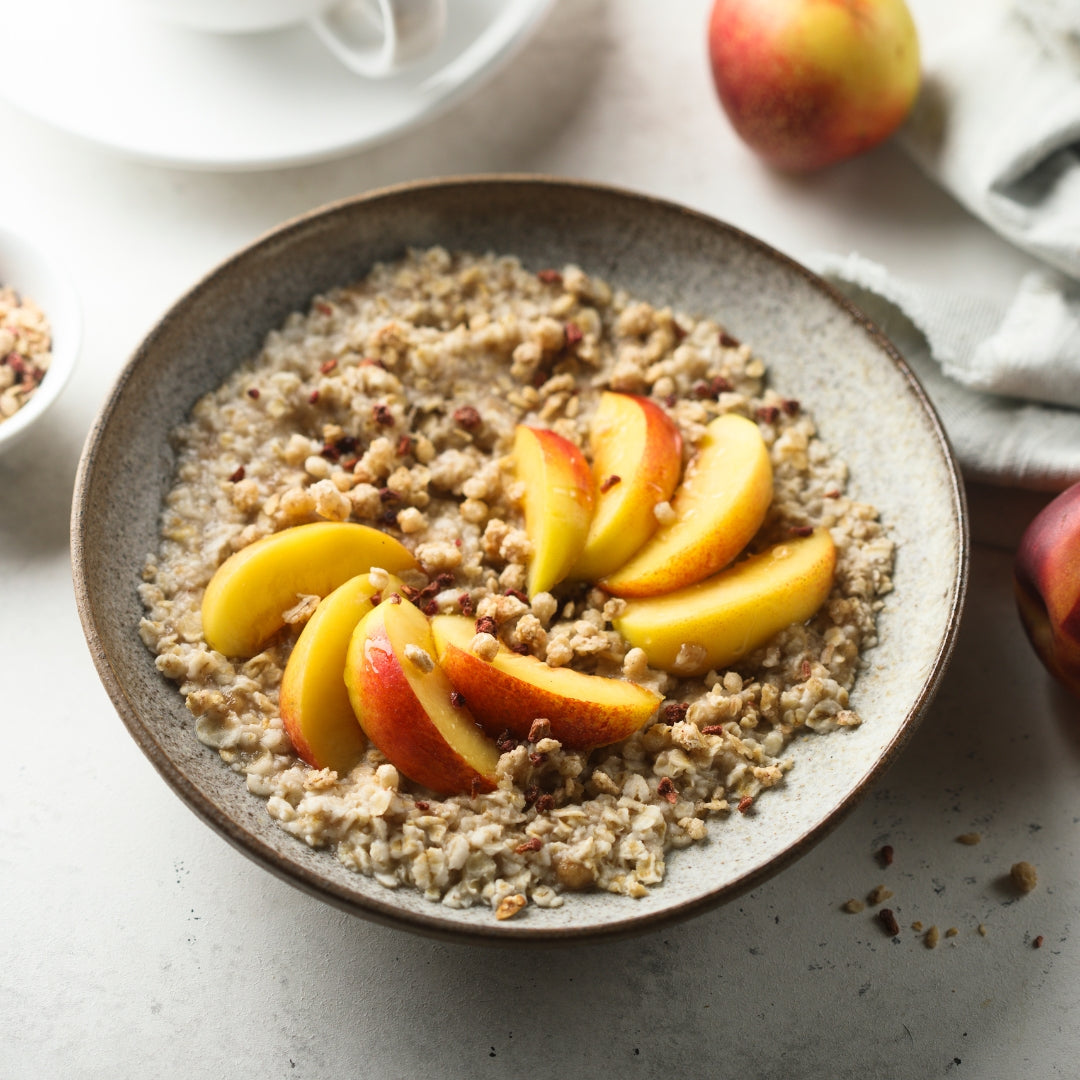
x=809, y=82
x=1047, y=574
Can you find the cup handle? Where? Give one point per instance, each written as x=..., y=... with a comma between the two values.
x=377, y=38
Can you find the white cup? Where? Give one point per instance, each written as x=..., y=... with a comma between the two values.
x=376, y=38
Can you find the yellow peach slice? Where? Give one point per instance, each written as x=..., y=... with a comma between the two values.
x=731, y=614
x=313, y=701
x=510, y=691
x=636, y=460
x=402, y=699
x=558, y=502
x=250, y=592
x=716, y=510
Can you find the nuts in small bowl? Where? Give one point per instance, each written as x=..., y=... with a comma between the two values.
x=40, y=327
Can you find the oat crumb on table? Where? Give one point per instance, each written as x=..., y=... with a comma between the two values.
x=1024, y=876
x=969, y=838
x=853, y=906
x=393, y=402
x=879, y=894
x=932, y=937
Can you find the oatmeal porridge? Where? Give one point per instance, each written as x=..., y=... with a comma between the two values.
x=394, y=403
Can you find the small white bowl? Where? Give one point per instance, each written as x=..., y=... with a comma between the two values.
x=33, y=273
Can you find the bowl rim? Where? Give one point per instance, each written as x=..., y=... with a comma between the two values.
x=65, y=303
x=508, y=932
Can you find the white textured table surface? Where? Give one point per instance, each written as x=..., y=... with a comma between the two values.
x=137, y=943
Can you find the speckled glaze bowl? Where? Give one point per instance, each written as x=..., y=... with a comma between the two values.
x=868, y=406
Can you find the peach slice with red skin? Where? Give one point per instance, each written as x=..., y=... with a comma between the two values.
x=510, y=691
x=729, y=615
x=313, y=701
x=402, y=699
x=1047, y=578
x=246, y=600
x=636, y=461
x=716, y=511
x=558, y=502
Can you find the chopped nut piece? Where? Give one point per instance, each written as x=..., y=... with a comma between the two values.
x=745, y=803
x=509, y=906
x=982, y=929
x=419, y=658
x=853, y=906
x=1038, y=942
x=666, y=789
x=467, y=417
x=674, y=711
x=952, y=931
x=888, y=921
x=664, y=513
x=969, y=838
x=485, y=646
x=539, y=729
x=1024, y=876
x=917, y=926
x=885, y=855
x=933, y=936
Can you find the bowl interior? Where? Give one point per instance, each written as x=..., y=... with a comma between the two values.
x=866, y=404
x=31, y=272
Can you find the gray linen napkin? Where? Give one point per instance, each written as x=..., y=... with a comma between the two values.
x=998, y=125
x=954, y=344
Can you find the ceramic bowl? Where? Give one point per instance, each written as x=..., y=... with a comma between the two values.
x=819, y=349
x=32, y=272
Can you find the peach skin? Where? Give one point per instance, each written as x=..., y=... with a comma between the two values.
x=558, y=502
x=404, y=703
x=636, y=461
x=313, y=701
x=1047, y=578
x=511, y=691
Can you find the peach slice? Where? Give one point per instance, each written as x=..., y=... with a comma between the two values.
x=558, y=502
x=724, y=618
x=1047, y=579
x=717, y=508
x=402, y=699
x=251, y=590
x=637, y=457
x=313, y=701
x=511, y=691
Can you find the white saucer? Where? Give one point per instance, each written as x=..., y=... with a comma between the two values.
x=205, y=101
